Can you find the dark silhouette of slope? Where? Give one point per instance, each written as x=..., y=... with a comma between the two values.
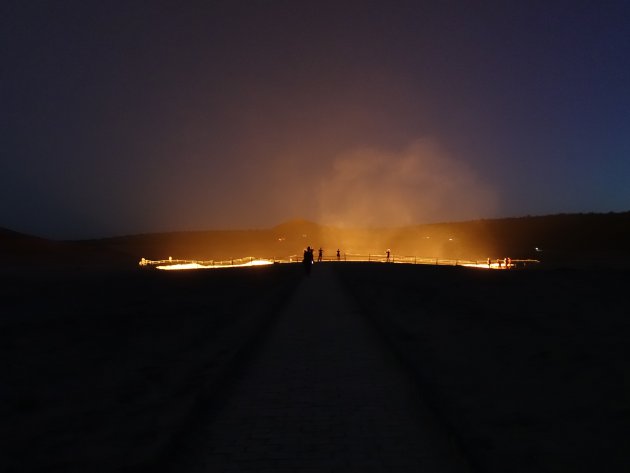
x=16, y=241
x=18, y=249
x=593, y=239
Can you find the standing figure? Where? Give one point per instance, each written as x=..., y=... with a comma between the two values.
x=388, y=254
x=308, y=259
x=338, y=255
x=319, y=255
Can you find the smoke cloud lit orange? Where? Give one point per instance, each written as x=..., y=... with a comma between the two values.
x=422, y=183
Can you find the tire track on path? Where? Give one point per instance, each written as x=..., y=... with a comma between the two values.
x=323, y=395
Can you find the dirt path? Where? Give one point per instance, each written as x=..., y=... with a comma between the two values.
x=323, y=395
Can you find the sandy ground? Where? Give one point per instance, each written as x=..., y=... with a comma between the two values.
x=323, y=393
x=102, y=371
x=528, y=369
x=118, y=370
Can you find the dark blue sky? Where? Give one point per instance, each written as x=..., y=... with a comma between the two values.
x=129, y=117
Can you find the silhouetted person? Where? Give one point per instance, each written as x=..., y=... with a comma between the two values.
x=338, y=255
x=489, y=263
x=388, y=253
x=499, y=262
x=308, y=259
x=320, y=253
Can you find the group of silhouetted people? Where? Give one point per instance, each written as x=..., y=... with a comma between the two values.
x=309, y=258
x=505, y=263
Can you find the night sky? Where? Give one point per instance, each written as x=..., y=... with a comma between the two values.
x=132, y=117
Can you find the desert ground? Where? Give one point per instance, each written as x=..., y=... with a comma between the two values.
x=357, y=367
x=528, y=369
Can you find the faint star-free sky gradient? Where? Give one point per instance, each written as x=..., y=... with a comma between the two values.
x=130, y=117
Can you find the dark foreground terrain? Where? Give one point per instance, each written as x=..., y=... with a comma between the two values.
x=530, y=370
x=103, y=371
x=134, y=370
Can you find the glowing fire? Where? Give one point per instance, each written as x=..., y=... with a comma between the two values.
x=180, y=266
x=173, y=264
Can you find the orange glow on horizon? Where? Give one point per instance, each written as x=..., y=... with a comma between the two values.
x=174, y=265
x=185, y=266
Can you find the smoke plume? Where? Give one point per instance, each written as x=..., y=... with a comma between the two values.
x=421, y=184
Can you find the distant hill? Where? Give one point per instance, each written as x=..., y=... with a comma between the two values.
x=19, y=249
x=15, y=246
x=571, y=240
x=12, y=239
x=564, y=239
